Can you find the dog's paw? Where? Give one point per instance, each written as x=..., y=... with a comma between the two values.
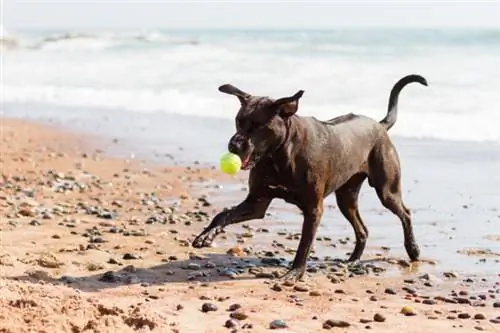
x=294, y=274
x=205, y=239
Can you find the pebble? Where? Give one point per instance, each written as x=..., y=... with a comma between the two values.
x=110, y=276
x=208, y=307
x=496, y=305
x=301, y=288
x=277, y=287
x=314, y=293
x=234, y=307
x=231, y=323
x=67, y=279
x=193, y=266
x=335, y=323
x=35, y=223
x=429, y=302
x=379, y=318
x=463, y=315
x=239, y=315
x=479, y=316
x=277, y=324
x=130, y=256
x=390, y=291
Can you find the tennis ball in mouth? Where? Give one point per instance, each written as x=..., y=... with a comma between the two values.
x=230, y=163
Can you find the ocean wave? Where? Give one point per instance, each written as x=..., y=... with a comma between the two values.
x=414, y=121
x=71, y=41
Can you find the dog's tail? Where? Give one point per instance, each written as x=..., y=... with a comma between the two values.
x=392, y=110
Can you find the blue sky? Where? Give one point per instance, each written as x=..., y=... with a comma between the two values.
x=20, y=14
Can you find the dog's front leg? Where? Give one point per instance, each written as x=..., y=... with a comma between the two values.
x=310, y=225
x=251, y=208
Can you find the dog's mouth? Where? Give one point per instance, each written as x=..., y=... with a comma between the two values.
x=246, y=162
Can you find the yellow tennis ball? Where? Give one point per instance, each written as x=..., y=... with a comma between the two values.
x=230, y=163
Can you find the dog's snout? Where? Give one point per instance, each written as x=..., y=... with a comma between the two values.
x=236, y=144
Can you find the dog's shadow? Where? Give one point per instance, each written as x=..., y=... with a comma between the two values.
x=210, y=268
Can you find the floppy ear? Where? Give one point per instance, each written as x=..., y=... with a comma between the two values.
x=289, y=105
x=232, y=90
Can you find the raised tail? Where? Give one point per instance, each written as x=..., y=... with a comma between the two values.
x=392, y=110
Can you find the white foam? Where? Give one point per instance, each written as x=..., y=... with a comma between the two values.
x=461, y=102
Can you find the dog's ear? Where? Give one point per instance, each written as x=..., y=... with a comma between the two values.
x=232, y=90
x=289, y=105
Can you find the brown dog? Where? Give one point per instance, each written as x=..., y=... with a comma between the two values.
x=302, y=160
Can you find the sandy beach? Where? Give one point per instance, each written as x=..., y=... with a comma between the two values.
x=94, y=243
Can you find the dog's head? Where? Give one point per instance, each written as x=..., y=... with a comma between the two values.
x=261, y=124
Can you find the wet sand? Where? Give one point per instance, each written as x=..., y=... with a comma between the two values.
x=90, y=243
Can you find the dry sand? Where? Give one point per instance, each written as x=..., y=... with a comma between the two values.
x=89, y=243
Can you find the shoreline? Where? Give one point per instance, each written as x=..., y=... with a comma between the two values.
x=92, y=243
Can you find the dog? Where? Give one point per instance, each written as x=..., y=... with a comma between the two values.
x=302, y=160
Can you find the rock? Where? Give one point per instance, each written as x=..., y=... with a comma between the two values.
x=335, y=323
x=277, y=324
x=495, y=321
x=236, y=251
x=67, y=279
x=110, y=277
x=365, y=321
x=379, y=318
x=301, y=288
x=496, y=305
x=314, y=293
x=229, y=272
x=193, y=266
x=48, y=260
x=208, y=307
x=179, y=307
x=479, y=316
x=429, y=302
x=131, y=256
x=27, y=211
x=234, y=307
x=479, y=328
x=277, y=287
x=450, y=275
x=264, y=275
x=390, y=291
x=239, y=315
x=231, y=323
x=463, y=315
x=35, y=223
x=408, y=311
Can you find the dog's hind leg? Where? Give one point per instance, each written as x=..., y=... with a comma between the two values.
x=347, y=201
x=251, y=208
x=385, y=177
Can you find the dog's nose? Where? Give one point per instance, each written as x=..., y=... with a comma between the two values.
x=234, y=147
x=236, y=144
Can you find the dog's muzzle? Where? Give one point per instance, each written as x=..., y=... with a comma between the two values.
x=239, y=145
